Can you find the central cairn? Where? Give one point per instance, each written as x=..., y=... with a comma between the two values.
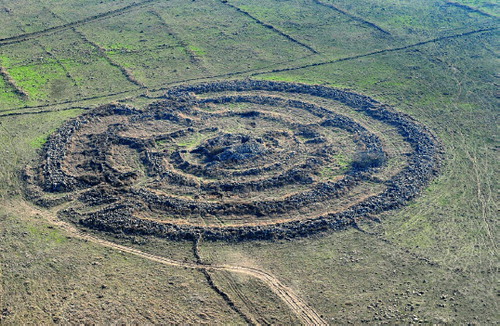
x=235, y=160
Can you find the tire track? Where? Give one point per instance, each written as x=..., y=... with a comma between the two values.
x=305, y=313
x=269, y=26
x=483, y=199
x=54, y=29
x=423, y=259
x=353, y=17
x=401, y=48
x=226, y=298
x=196, y=252
x=234, y=287
x=300, y=308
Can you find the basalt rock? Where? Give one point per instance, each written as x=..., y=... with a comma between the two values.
x=233, y=160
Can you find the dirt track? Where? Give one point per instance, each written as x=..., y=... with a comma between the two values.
x=304, y=312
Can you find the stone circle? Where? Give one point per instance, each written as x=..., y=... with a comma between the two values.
x=235, y=160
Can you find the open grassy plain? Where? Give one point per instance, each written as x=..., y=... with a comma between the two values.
x=434, y=260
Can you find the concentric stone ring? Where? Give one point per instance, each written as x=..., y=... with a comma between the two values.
x=235, y=160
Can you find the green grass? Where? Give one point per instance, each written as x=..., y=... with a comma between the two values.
x=42, y=267
x=342, y=161
x=20, y=138
x=335, y=36
x=33, y=17
x=197, y=50
x=39, y=141
x=230, y=42
x=292, y=79
x=191, y=141
x=159, y=67
x=445, y=87
x=8, y=98
x=488, y=6
x=348, y=276
x=135, y=30
x=413, y=20
x=49, y=235
x=35, y=79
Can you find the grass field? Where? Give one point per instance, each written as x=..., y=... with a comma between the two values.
x=434, y=261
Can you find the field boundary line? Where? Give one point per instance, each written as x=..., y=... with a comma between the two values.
x=235, y=288
x=10, y=82
x=469, y=9
x=196, y=252
x=193, y=58
x=102, y=52
x=27, y=36
x=257, y=72
x=154, y=88
x=49, y=53
x=269, y=26
x=353, y=17
x=12, y=114
x=303, y=311
x=59, y=62
x=401, y=48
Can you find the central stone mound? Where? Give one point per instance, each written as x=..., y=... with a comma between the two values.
x=231, y=149
x=234, y=160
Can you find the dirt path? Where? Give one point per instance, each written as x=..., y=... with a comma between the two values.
x=305, y=313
